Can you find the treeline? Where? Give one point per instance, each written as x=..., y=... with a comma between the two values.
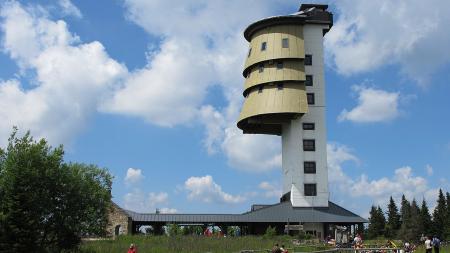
x=47, y=205
x=411, y=221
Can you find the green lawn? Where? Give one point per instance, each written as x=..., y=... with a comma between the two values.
x=190, y=244
x=200, y=244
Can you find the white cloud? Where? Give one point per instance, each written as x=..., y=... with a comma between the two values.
x=369, y=34
x=429, y=170
x=377, y=191
x=133, y=176
x=374, y=105
x=402, y=182
x=198, y=51
x=204, y=189
x=68, y=8
x=337, y=155
x=70, y=77
x=270, y=190
x=252, y=152
x=139, y=201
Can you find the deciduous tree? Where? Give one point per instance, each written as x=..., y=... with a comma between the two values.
x=47, y=204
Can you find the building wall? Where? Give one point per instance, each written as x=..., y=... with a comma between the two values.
x=118, y=222
x=292, y=71
x=293, y=134
x=272, y=36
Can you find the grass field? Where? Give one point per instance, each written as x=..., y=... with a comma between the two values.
x=190, y=244
x=201, y=244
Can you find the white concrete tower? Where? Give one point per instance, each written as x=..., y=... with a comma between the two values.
x=285, y=95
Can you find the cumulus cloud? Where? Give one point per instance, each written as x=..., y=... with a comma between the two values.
x=133, y=176
x=204, y=189
x=371, y=34
x=139, y=201
x=70, y=77
x=374, y=105
x=194, y=55
x=271, y=190
x=68, y=8
x=376, y=191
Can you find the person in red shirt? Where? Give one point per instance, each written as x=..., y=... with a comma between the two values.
x=132, y=249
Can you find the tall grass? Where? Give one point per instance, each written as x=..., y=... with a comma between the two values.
x=189, y=244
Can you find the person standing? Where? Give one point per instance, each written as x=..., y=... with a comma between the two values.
x=132, y=249
x=428, y=247
x=436, y=244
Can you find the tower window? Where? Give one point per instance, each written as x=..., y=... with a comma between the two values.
x=279, y=65
x=263, y=46
x=309, y=167
x=260, y=89
x=309, y=145
x=249, y=52
x=310, y=98
x=308, y=59
x=285, y=43
x=308, y=126
x=310, y=190
x=309, y=80
x=280, y=86
x=261, y=68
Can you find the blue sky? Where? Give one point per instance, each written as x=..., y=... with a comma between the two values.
x=151, y=90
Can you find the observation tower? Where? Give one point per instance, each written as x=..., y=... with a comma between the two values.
x=284, y=94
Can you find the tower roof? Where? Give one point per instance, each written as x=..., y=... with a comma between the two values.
x=307, y=14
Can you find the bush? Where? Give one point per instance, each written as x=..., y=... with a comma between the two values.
x=270, y=232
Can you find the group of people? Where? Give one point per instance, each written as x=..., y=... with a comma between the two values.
x=277, y=249
x=432, y=243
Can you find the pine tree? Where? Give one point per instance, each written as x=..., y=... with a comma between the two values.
x=425, y=219
x=447, y=224
x=440, y=216
x=393, y=220
x=405, y=213
x=414, y=226
x=377, y=222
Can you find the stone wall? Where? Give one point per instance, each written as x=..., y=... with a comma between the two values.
x=118, y=221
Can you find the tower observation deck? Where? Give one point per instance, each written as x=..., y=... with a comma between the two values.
x=284, y=94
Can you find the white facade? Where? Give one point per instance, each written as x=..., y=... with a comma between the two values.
x=293, y=155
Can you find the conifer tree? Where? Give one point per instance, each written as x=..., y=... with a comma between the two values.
x=393, y=219
x=425, y=219
x=377, y=222
x=414, y=227
x=440, y=216
x=447, y=224
x=405, y=213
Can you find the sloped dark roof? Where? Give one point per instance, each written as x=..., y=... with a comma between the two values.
x=278, y=213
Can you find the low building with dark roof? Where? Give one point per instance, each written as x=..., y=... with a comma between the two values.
x=319, y=221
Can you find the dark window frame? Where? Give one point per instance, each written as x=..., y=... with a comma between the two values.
x=260, y=89
x=261, y=68
x=263, y=46
x=310, y=190
x=280, y=86
x=309, y=145
x=309, y=80
x=310, y=98
x=285, y=42
x=280, y=65
x=309, y=167
x=309, y=126
x=308, y=59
